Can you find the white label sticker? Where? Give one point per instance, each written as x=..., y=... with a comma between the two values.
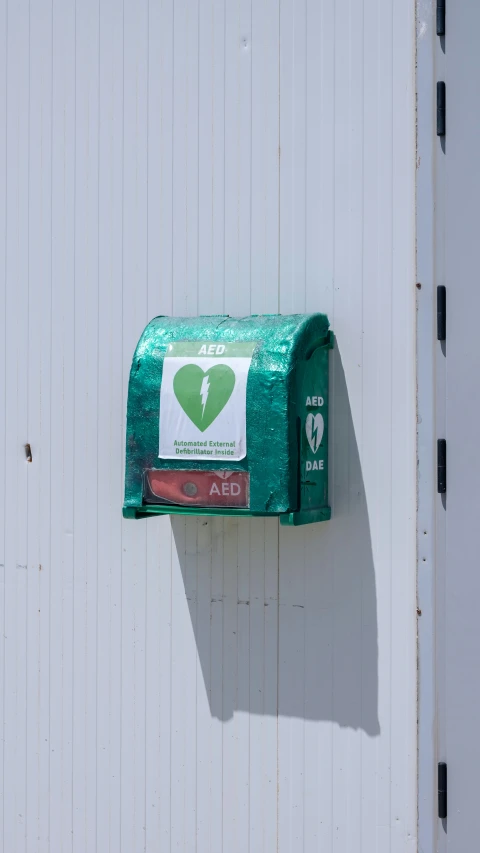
x=203, y=400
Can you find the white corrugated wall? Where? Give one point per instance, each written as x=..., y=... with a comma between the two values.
x=229, y=686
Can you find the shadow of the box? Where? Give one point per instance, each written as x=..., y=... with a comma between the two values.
x=285, y=619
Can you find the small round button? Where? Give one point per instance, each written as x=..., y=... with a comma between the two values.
x=189, y=489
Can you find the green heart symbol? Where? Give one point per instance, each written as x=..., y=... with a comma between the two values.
x=202, y=396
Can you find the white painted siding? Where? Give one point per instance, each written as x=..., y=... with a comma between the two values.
x=230, y=686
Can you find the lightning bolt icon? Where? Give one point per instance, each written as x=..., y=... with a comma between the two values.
x=314, y=437
x=204, y=392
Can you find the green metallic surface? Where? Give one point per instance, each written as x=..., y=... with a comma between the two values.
x=290, y=363
x=308, y=516
x=170, y=509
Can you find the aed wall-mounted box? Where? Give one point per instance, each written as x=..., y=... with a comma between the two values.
x=229, y=416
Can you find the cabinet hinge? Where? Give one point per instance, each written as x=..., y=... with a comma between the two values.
x=441, y=107
x=441, y=312
x=442, y=789
x=440, y=17
x=441, y=466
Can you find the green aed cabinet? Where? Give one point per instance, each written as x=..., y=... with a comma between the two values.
x=229, y=416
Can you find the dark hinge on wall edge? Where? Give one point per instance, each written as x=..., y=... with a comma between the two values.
x=442, y=789
x=440, y=17
x=441, y=106
x=441, y=312
x=441, y=466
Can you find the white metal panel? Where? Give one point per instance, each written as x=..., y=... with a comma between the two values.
x=429, y=275
x=211, y=684
x=457, y=586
